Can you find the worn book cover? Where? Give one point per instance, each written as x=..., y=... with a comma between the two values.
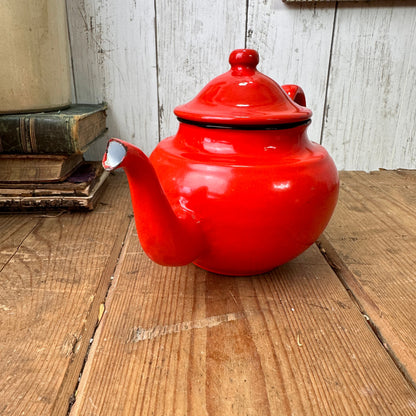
x=37, y=168
x=57, y=132
x=80, y=191
x=79, y=182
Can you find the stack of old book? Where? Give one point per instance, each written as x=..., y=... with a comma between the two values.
x=42, y=162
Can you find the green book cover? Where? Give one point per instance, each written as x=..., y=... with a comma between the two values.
x=57, y=132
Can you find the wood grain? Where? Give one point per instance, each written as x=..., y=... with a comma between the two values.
x=194, y=40
x=294, y=44
x=182, y=341
x=14, y=230
x=114, y=60
x=373, y=242
x=51, y=287
x=369, y=116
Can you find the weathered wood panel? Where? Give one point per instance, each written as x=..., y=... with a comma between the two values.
x=373, y=235
x=370, y=115
x=194, y=39
x=147, y=57
x=114, y=60
x=294, y=45
x=51, y=288
x=183, y=341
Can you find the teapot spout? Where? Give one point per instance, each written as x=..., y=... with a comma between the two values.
x=169, y=237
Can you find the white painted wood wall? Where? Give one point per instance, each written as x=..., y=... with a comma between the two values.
x=356, y=62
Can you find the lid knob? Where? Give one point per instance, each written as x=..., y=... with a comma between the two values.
x=244, y=57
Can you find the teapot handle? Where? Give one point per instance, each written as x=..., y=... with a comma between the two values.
x=295, y=93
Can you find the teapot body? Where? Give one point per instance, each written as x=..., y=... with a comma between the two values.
x=261, y=195
x=239, y=189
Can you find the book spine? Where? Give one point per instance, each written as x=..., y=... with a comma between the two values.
x=28, y=134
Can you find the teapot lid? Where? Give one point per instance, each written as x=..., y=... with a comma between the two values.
x=242, y=96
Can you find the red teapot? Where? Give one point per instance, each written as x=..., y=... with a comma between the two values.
x=240, y=189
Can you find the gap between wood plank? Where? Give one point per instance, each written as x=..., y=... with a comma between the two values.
x=246, y=25
x=159, y=112
x=370, y=311
x=105, y=301
x=71, y=54
x=328, y=74
x=87, y=332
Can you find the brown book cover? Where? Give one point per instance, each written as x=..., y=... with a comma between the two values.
x=37, y=168
x=81, y=191
x=80, y=183
x=56, y=132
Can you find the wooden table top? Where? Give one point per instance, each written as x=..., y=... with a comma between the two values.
x=90, y=326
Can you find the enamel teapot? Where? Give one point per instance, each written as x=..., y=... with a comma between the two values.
x=240, y=189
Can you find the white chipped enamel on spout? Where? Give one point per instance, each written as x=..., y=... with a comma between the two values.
x=114, y=155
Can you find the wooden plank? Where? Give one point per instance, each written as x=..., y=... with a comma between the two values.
x=194, y=40
x=184, y=341
x=51, y=290
x=372, y=242
x=114, y=60
x=369, y=120
x=294, y=45
x=144, y=63
x=369, y=112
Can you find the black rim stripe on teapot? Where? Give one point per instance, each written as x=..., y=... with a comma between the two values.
x=246, y=126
